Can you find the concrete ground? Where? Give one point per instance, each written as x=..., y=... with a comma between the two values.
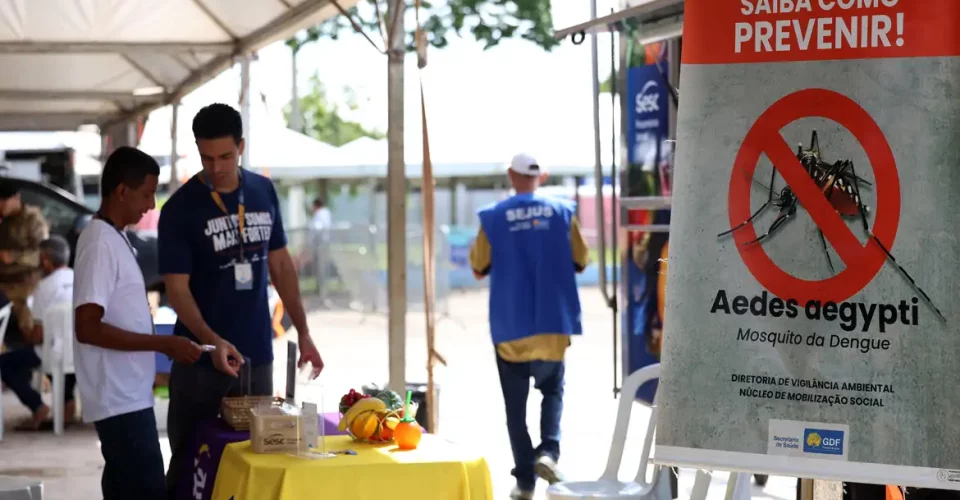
x=354, y=347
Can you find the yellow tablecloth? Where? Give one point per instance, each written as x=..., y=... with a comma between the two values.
x=437, y=469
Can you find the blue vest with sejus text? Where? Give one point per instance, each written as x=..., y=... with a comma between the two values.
x=533, y=287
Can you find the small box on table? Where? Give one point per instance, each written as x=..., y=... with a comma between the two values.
x=275, y=429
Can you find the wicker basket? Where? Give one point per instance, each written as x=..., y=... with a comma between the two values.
x=236, y=411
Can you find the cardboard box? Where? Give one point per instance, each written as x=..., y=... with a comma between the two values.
x=275, y=429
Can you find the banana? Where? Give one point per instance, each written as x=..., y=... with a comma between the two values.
x=362, y=406
x=391, y=422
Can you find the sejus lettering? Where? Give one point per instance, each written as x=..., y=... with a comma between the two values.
x=527, y=213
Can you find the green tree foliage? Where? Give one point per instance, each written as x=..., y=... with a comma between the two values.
x=303, y=38
x=489, y=21
x=322, y=119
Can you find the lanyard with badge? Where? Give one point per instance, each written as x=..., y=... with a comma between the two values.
x=133, y=251
x=243, y=270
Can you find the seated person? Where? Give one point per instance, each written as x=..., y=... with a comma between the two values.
x=17, y=365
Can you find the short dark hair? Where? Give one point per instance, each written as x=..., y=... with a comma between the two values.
x=56, y=249
x=218, y=120
x=8, y=189
x=128, y=166
x=318, y=202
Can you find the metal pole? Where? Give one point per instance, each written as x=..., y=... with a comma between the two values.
x=174, y=178
x=598, y=163
x=296, y=116
x=614, y=202
x=245, y=107
x=396, y=200
x=806, y=489
x=373, y=240
x=132, y=132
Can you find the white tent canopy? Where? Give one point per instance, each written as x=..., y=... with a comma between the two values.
x=467, y=153
x=272, y=144
x=71, y=62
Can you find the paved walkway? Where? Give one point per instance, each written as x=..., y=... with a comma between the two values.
x=354, y=347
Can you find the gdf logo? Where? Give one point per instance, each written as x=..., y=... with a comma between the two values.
x=648, y=103
x=831, y=442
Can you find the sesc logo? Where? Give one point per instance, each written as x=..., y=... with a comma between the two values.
x=647, y=103
x=823, y=441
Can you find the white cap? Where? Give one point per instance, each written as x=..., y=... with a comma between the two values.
x=525, y=164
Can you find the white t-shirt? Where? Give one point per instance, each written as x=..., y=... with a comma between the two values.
x=107, y=274
x=52, y=290
x=322, y=219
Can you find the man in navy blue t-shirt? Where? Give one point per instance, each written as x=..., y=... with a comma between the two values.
x=217, y=281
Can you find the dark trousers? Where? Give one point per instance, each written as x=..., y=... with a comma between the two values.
x=16, y=370
x=515, y=382
x=131, y=450
x=195, y=394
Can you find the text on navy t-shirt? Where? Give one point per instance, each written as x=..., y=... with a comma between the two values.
x=197, y=238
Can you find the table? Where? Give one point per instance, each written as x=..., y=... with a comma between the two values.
x=437, y=469
x=198, y=472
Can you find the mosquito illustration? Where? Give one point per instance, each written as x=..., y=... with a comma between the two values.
x=840, y=184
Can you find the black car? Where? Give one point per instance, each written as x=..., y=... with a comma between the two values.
x=67, y=217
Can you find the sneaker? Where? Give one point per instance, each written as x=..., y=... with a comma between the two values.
x=546, y=468
x=518, y=494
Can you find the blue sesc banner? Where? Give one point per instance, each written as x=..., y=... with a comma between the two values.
x=647, y=128
x=647, y=116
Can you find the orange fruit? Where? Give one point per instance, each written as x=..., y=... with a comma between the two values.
x=364, y=425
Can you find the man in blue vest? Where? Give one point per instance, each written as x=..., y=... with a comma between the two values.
x=531, y=247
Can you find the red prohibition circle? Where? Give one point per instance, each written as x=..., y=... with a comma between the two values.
x=862, y=263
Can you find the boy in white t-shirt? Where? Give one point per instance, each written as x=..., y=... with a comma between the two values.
x=114, y=351
x=17, y=366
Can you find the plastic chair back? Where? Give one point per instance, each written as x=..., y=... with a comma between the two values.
x=627, y=399
x=20, y=488
x=4, y=319
x=58, y=337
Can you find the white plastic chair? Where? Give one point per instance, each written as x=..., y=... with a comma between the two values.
x=57, y=354
x=4, y=319
x=609, y=486
x=20, y=488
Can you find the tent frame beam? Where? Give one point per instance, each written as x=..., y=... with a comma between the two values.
x=115, y=48
x=143, y=71
x=285, y=22
x=17, y=121
x=225, y=55
x=642, y=8
x=79, y=95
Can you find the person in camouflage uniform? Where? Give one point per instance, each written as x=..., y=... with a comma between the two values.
x=22, y=228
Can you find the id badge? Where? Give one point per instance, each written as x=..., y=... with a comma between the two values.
x=243, y=275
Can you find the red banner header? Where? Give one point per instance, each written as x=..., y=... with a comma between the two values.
x=752, y=31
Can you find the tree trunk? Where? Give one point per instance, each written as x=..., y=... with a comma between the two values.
x=396, y=200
